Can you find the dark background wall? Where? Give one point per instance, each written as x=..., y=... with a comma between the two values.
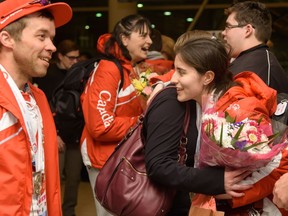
x=212, y=18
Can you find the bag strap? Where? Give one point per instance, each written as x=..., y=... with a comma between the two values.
x=182, y=152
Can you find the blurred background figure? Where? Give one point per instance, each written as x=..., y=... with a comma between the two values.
x=168, y=47
x=66, y=55
x=70, y=159
x=155, y=59
x=84, y=56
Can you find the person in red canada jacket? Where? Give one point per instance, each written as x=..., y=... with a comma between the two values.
x=109, y=112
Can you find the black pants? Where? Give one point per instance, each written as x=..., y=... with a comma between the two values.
x=72, y=171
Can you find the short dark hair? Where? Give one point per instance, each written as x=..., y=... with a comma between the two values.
x=66, y=46
x=256, y=14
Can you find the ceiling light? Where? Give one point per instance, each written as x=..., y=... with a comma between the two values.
x=167, y=13
x=140, y=5
x=98, y=14
x=189, y=19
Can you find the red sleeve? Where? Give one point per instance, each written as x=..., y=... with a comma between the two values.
x=264, y=180
x=164, y=78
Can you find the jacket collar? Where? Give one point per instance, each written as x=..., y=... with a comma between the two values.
x=260, y=46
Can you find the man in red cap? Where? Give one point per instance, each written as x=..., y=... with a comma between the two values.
x=29, y=176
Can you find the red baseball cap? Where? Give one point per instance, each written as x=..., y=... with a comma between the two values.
x=11, y=10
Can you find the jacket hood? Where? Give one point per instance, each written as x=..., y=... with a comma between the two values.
x=114, y=50
x=252, y=93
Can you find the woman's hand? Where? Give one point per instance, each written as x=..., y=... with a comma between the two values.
x=280, y=192
x=232, y=182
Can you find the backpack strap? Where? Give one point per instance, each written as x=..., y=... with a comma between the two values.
x=90, y=65
x=116, y=62
x=83, y=70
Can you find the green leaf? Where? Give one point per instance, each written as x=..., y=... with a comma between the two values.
x=253, y=145
x=260, y=119
x=229, y=118
x=208, y=128
x=270, y=140
x=236, y=137
x=221, y=136
x=273, y=137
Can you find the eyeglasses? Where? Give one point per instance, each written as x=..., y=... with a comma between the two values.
x=42, y=2
x=228, y=27
x=72, y=58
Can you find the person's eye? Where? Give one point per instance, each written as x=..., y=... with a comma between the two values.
x=144, y=35
x=180, y=71
x=41, y=36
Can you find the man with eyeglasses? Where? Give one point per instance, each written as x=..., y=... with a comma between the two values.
x=66, y=55
x=29, y=177
x=70, y=159
x=248, y=29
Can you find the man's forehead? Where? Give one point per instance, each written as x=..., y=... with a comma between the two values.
x=231, y=17
x=40, y=24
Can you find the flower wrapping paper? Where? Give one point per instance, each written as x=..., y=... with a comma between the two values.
x=212, y=154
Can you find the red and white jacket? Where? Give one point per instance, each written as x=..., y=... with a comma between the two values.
x=108, y=112
x=15, y=155
x=255, y=96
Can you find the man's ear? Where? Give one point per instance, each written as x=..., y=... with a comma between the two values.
x=60, y=56
x=249, y=30
x=208, y=77
x=6, y=39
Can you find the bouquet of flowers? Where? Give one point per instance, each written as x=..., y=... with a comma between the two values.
x=142, y=84
x=248, y=143
x=237, y=144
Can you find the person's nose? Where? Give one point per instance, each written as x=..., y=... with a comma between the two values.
x=174, y=78
x=223, y=32
x=149, y=40
x=51, y=47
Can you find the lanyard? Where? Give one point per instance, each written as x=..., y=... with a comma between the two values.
x=28, y=120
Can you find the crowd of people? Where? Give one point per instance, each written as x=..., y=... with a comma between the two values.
x=233, y=74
